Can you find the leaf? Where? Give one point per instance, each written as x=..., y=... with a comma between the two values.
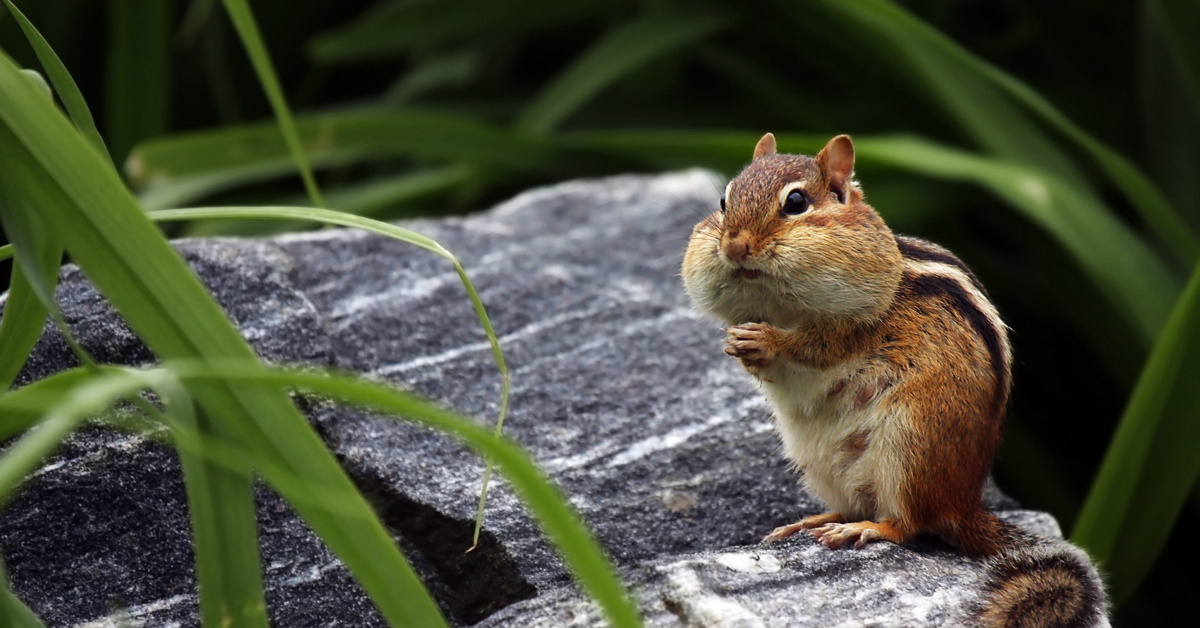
x=180, y=169
x=620, y=51
x=247, y=28
x=1151, y=465
x=166, y=305
x=85, y=398
x=225, y=535
x=552, y=512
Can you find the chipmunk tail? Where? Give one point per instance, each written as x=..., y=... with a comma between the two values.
x=1041, y=582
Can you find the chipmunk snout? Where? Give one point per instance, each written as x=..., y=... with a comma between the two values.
x=735, y=245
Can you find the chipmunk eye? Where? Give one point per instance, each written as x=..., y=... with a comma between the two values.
x=796, y=203
x=722, y=203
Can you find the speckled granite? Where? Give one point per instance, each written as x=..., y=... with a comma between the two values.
x=619, y=390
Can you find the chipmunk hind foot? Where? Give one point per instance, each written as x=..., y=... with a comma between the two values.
x=1042, y=583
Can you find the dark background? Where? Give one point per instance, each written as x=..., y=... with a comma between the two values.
x=1105, y=65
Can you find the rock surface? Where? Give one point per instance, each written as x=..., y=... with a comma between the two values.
x=619, y=390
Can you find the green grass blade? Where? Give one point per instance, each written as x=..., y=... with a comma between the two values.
x=394, y=197
x=138, y=82
x=392, y=28
x=560, y=523
x=306, y=213
x=991, y=105
x=87, y=397
x=1151, y=464
x=399, y=233
x=68, y=91
x=620, y=51
x=166, y=305
x=1139, y=284
x=225, y=535
x=20, y=327
x=177, y=170
x=247, y=28
x=24, y=406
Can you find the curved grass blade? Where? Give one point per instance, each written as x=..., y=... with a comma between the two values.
x=399, y=233
x=984, y=98
x=166, y=305
x=179, y=169
x=1151, y=465
x=556, y=518
x=247, y=28
x=621, y=50
x=85, y=397
x=68, y=91
x=396, y=196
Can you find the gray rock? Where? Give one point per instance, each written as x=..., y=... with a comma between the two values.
x=619, y=390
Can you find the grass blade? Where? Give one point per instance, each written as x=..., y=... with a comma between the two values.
x=225, y=534
x=399, y=233
x=138, y=82
x=560, y=523
x=1151, y=464
x=178, y=170
x=68, y=91
x=87, y=397
x=623, y=49
x=247, y=28
x=166, y=305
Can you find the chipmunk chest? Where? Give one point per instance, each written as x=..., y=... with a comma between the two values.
x=836, y=425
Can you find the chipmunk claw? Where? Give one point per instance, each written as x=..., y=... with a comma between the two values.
x=752, y=343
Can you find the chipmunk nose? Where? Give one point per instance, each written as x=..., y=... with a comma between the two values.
x=735, y=246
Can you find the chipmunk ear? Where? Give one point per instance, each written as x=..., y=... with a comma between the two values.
x=765, y=146
x=836, y=162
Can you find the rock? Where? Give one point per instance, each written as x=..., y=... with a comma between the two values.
x=620, y=391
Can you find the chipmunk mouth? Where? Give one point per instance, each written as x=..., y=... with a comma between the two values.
x=747, y=273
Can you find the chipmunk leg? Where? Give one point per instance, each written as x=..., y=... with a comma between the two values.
x=807, y=523
x=835, y=535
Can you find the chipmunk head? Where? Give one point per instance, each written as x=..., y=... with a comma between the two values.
x=793, y=242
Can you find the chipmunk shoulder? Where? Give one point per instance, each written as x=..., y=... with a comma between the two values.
x=888, y=368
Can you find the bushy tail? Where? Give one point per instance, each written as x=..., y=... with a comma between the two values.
x=1039, y=582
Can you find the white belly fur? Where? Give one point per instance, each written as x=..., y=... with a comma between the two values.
x=815, y=425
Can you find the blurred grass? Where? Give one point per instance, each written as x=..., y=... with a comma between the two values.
x=1077, y=147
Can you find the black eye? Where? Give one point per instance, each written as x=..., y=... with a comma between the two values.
x=796, y=203
x=722, y=203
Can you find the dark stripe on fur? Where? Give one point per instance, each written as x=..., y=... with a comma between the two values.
x=1067, y=578
x=956, y=295
x=918, y=249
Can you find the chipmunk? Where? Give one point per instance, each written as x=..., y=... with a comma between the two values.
x=889, y=371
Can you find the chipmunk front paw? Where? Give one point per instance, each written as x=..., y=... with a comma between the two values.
x=754, y=344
